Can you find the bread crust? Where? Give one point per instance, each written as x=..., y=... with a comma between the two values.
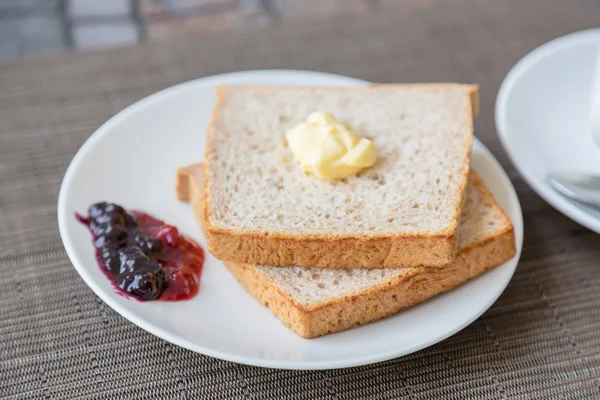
x=399, y=250
x=414, y=286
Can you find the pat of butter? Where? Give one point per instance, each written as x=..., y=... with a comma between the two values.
x=329, y=149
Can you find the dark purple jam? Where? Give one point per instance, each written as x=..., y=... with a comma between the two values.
x=142, y=256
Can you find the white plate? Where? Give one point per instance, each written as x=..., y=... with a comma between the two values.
x=543, y=117
x=131, y=160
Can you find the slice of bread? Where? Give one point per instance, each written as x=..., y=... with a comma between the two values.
x=261, y=208
x=315, y=301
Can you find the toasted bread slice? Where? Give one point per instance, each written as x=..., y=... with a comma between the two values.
x=404, y=211
x=316, y=301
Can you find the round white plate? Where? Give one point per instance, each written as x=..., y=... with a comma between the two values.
x=543, y=117
x=132, y=159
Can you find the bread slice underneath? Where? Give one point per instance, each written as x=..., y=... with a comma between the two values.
x=315, y=301
x=404, y=211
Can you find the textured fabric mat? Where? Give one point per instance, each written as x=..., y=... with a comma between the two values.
x=59, y=341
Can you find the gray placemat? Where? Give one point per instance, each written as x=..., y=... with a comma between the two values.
x=59, y=341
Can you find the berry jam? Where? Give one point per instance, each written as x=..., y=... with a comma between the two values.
x=142, y=256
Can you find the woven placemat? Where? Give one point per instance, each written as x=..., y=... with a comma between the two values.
x=59, y=341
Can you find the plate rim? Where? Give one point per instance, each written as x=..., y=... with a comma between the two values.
x=63, y=214
x=541, y=188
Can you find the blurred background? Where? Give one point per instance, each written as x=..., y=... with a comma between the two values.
x=42, y=26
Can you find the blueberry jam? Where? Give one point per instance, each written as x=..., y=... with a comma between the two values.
x=142, y=256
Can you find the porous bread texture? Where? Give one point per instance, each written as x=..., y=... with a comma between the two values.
x=481, y=219
x=314, y=302
x=261, y=208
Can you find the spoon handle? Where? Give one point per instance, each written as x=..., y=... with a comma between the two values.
x=581, y=187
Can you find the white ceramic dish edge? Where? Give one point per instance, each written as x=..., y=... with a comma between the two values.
x=543, y=189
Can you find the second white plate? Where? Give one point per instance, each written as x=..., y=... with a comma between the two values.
x=132, y=159
x=543, y=117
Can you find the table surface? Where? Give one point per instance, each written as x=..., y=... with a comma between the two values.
x=58, y=340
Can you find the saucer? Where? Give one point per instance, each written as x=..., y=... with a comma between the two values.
x=543, y=117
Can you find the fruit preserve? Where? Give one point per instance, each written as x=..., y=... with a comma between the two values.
x=142, y=256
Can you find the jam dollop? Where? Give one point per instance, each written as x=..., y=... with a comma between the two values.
x=143, y=257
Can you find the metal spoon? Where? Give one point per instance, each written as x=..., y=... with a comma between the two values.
x=577, y=186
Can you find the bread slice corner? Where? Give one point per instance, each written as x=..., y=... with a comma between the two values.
x=314, y=302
